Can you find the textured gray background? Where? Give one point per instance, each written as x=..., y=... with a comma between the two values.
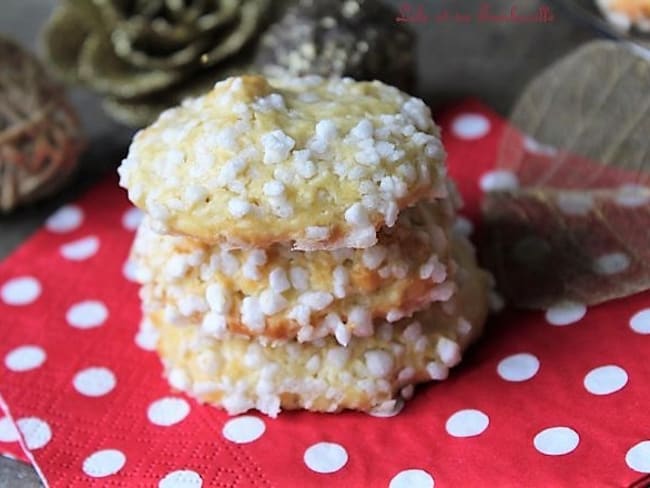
x=489, y=61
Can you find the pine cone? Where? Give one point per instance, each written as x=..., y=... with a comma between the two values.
x=356, y=38
x=40, y=137
x=146, y=55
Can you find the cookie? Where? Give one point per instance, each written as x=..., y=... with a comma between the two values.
x=319, y=164
x=282, y=294
x=371, y=374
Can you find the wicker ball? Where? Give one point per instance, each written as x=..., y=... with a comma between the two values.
x=40, y=137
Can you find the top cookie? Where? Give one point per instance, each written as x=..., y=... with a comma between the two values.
x=321, y=164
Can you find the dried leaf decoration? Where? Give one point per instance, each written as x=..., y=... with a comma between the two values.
x=577, y=226
x=40, y=136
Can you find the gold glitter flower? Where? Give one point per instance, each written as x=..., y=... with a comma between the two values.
x=146, y=55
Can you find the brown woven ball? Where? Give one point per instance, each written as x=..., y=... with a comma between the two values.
x=40, y=137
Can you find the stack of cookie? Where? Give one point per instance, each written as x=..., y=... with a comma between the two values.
x=298, y=249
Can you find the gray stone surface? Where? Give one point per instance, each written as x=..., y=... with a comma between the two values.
x=487, y=60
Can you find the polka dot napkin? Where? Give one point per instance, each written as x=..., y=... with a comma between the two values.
x=555, y=398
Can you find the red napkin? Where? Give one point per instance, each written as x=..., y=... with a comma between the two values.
x=560, y=398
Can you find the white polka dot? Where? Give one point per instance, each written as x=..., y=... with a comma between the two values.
x=24, y=358
x=87, y=314
x=181, y=479
x=325, y=457
x=243, y=430
x=605, y=379
x=104, y=463
x=65, y=219
x=168, y=411
x=534, y=146
x=556, y=441
x=638, y=457
x=80, y=249
x=467, y=423
x=640, y=322
x=20, y=291
x=129, y=271
x=412, y=478
x=36, y=432
x=499, y=180
x=147, y=336
x=518, y=367
x=565, y=313
x=470, y=126
x=94, y=382
x=632, y=196
x=131, y=218
x=575, y=204
x=611, y=263
x=8, y=431
x=463, y=226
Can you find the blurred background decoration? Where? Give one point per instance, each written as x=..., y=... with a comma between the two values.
x=40, y=137
x=357, y=38
x=143, y=56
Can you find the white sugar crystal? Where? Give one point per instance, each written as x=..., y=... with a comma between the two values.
x=316, y=300
x=313, y=364
x=448, y=351
x=400, y=270
x=406, y=375
x=217, y=298
x=191, y=304
x=367, y=156
x=299, y=278
x=374, y=256
x=255, y=259
x=231, y=169
x=214, y=324
x=281, y=207
x=408, y=172
x=252, y=315
x=417, y=112
x=272, y=302
x=274, y=101
x=176, y=267
x=278, y=280
x=229, y=263
x=301, y=314
x=194, y=194
x=361, y=320
x=394, y=315
x=238, y=207
x=178, y=379
x=341, y=280
x=283, y=174
x=317, y=233
x=393, y=186
x=273, y=188
x=357, y=216
x=306, y=169
x=342, y=334
x=437, y=371
x=412, y=332
x=379, y=363
x=325, y=134
x=390, y=213
x=277, y=146
x=337, y=357
x=363, y=130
